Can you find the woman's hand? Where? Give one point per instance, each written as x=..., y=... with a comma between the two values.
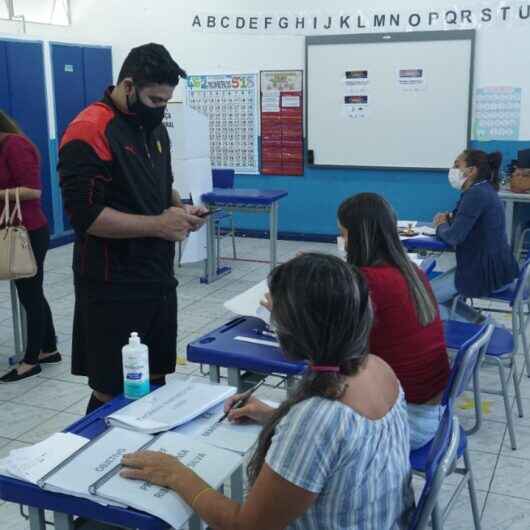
x=253, y=410
x=267, y=302
x=440, y=219
x=154, y=467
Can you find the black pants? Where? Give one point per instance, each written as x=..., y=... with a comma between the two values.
x=41, y=332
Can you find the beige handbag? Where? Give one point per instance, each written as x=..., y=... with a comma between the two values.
x=16, y=255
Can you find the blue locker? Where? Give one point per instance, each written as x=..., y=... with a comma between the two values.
x=80, y=76
x=5, y=103
x=98, y=72
x=23, y=95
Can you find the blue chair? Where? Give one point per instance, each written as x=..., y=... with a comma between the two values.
x=440, y=463
x=428, y=265
x=465, y=365
x=517, y=297
x=224, y=178
x=501, y=353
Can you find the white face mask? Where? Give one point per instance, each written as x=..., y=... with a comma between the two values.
x=456, y=178
x=341, y=247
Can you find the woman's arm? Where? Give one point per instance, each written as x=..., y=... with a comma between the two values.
x=25, y=194
x=469, y=210
x=272, y=503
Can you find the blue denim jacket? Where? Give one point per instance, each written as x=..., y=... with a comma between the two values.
x=477, y=230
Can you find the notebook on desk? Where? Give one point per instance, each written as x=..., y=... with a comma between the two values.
x=174, y=404
x=212, y=464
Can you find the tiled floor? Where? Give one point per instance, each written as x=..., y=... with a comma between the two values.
x=32, y=409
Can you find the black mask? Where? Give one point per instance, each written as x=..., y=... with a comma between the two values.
x=148, y=117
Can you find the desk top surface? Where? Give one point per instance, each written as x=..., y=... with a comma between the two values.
x=516, y=197
x=24, y=493
x=425, y=243
x=220, y=348
x=243, y=196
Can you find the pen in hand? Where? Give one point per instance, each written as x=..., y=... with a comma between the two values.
x=242, y=400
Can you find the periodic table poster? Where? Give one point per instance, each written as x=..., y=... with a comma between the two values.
x=231, y=104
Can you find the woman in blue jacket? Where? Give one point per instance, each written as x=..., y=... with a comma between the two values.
x=477, y=230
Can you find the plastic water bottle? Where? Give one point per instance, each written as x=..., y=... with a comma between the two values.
x=135, y=358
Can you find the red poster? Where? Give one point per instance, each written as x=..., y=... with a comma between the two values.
x=282, y=133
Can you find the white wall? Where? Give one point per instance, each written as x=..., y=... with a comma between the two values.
x=502, y=52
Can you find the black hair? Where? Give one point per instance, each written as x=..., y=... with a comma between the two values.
x=151, y=64
x=373, y=240
x=322, y=313
x=488, y=165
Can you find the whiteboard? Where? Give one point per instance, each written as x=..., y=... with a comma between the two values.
x=393, y=101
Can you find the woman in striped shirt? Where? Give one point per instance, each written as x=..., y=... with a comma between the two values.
x=336, y=455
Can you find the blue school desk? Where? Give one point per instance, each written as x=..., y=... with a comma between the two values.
x=64, y=507
x=240, y=200
x=429, y=243
x=220, y=348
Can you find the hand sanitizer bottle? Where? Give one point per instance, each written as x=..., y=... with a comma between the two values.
x=135, y=358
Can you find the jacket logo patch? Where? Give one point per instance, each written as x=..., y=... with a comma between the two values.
x=130, y=149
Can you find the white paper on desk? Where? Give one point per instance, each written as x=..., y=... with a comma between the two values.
x=171, y=405
x=212, y=464
x=248, y=304
x=406, y=224
x=426, y=230
x=33, y=463
x=226, y=435
x=93, y=462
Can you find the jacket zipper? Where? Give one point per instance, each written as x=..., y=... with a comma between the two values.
x=146, y=146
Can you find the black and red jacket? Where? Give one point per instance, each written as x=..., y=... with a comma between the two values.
x=106, y=159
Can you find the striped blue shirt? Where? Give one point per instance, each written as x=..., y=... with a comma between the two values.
x=358, y=467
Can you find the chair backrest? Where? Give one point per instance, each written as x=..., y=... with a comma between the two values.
x=466, y=362
x=444, y=449
x=428, y=265
x=522, y=287
x=223, y=178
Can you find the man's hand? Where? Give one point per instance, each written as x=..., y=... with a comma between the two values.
x=175, y=224
x=196, y=212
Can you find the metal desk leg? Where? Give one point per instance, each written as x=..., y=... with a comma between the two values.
x=508, y=212
x=234, y=378
x=36, y=518
x=236, y=485
x=215, y=377
x=63, y=521
x=19, y=325
x=291, y=384
x=211, y=258
x=274, y=233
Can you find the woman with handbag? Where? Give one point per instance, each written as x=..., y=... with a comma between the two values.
x=20, y=175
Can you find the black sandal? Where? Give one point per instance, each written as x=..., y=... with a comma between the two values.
x=13, y=375
x=50, y=359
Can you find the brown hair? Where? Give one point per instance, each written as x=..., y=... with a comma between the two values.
x=488, y=165
x=8, y=125
x=322, y=313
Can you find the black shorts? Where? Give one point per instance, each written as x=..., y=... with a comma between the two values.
x=103, y=322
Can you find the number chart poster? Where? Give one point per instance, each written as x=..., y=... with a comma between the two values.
x=231, y=104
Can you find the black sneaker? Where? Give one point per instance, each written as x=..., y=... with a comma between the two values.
x=51, y=359
x=13, y=375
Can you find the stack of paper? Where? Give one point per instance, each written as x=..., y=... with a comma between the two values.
x=248, y=304
x=172, y=405
x=213, y=465
x=33, y=463
x=76, y=474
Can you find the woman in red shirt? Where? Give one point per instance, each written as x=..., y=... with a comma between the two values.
x=20, y=168
x=407, y=332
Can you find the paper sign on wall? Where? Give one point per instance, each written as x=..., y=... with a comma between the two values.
x=411, y=79
x=497, y=113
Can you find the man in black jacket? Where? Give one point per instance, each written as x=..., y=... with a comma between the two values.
x=116, y=179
